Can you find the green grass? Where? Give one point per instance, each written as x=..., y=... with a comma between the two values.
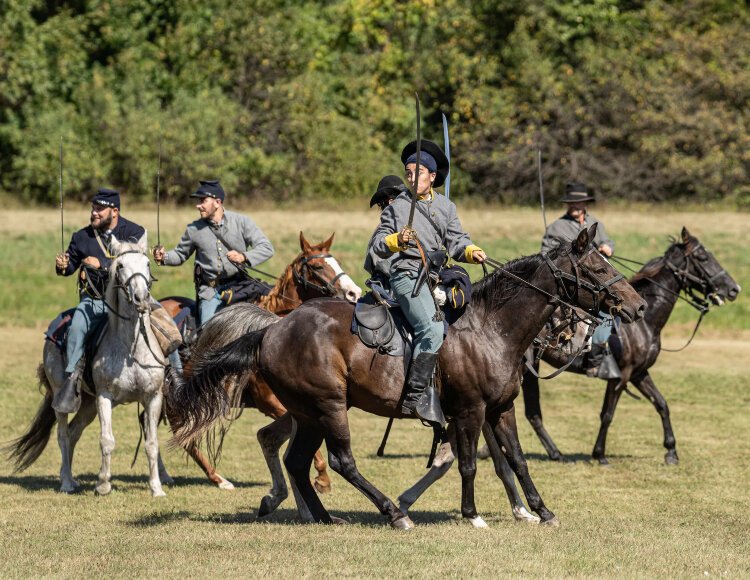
x=635, y=518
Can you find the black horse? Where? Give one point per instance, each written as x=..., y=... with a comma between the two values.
x=686, y=266
x=318, y=369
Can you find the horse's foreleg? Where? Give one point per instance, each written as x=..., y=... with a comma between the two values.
x=271, y=438
x=322, y=480
x=505, y=473
x=152, y=410
x=306, y=439
x=645, y=384
x=440, y=466
x=67, y=483
x=106, y=442
x=506, y=431
x=611, y=397
x=468, y=426
x=533, y=410
x=338, y=441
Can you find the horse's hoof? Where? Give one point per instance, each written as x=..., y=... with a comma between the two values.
x=603, y=461
x=478, y=523
x=225, y=484
x=103, y=488
x=69, y=489
x=523, y=515
x=158, y=493
x=671, y=458
x=320, y=487
x=556, y=456
x=483, y=452
x=338, y=521
x=267, y=505
x=168, y=480
x=404, y=523
x=553, y=522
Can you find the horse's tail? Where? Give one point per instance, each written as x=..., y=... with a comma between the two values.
x=25, y=450
x=197, y=402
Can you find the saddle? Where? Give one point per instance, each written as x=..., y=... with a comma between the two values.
x=380, y=324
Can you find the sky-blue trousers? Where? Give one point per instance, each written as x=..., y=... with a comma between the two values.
x=86, y=316
x=419, y=311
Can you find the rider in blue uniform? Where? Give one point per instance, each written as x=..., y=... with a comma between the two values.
x=88, y=251
x=435, y=225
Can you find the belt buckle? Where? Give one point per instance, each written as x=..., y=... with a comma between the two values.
x=212, y=283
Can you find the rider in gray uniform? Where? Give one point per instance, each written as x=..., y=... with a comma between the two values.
x=565, y=230
x=435, y=225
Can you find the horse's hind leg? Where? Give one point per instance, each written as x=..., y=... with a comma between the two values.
x=271, y=438
x=67, y=483
x=440, y=466
x=306, y=439
x=505, y=473
x=505, y=429
x=611, y=397
x=152, y=408
x=645, y=384
x=106, y=442
x=533, y=410
x=322, y=480
x=75, y=428
x=342, y=462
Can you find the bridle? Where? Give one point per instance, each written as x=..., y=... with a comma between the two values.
x=125, y=285
x=308, y=277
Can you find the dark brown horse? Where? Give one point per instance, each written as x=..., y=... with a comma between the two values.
x=313, y=273
x=686, y=266
x=319, y=369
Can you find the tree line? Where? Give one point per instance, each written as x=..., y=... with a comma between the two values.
x=286, y=100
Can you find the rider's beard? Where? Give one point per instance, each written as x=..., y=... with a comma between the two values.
x=103, y=224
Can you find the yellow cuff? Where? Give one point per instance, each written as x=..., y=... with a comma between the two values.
x=392, y=242
x=470, y=249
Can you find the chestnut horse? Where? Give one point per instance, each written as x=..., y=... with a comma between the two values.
x=318, y=369
x=313, y=273
x=687, y=266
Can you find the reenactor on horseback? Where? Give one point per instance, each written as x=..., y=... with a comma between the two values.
x=435, y=225
x=566, y=229
x=220, y=240
x=88, y=250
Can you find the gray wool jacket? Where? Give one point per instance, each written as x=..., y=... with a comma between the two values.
x=566, y=229
x=239, y=231
x=394, y=217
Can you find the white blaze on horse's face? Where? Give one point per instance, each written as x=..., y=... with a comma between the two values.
x=351, y=290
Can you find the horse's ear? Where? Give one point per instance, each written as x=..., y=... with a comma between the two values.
x=328, y=243
x=143, y=243
x=685, y=235
x=303, y=243
x=582, y=241
x=114, y=245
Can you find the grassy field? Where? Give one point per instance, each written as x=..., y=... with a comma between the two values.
x=635, y=518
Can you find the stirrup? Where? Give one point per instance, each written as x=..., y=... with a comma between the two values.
x=428, y=407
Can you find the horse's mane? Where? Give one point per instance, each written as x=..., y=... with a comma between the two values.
x=494, y=290
x=653, y=266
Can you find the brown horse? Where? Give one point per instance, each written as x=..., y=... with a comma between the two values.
x=313, y=273
x=318, y=369
x=686, y=267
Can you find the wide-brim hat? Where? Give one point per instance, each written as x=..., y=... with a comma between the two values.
x=575, y=192
x=443, y=165
x=390, y=186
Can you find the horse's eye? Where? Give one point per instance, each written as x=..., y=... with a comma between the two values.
x=702, y=256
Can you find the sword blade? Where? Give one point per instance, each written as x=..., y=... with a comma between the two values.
x=158, y=192
x=447, y=145
x=416, y=177
x=62, y=222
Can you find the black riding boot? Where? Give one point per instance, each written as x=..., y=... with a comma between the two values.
x=601, y=364
x=422, y=399
x=68, y=398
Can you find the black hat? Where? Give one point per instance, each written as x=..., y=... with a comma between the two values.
x=209, y=188
x=389, y=187
x=107, y=198
x=443, y=165
x=575, y=191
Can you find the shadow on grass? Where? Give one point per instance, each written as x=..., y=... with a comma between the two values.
x=284, y=516
x=88, y=480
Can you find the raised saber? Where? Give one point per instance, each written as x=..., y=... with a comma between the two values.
x=158, y=184
x=447, y=144
x=416, y=177
x=541, y=185
x=62, y=223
